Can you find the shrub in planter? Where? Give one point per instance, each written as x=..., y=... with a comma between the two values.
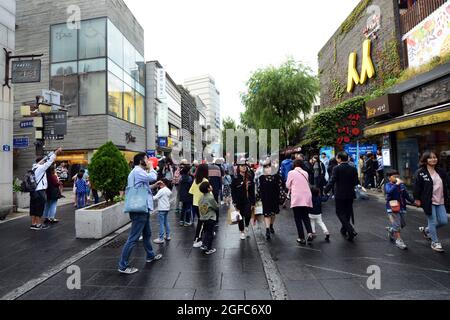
x=109, y=170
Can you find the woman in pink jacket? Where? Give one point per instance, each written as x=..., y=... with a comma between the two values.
x=301, y=200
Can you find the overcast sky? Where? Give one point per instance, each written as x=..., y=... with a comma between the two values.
x=229, y=39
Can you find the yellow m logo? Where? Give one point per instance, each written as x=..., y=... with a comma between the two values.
x=367, y=68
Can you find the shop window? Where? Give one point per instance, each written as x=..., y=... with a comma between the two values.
x=115, y=44
x=92, y=93
x=92, y=39
x=92, y=65
x=63, y=43
x=115, y=69
x=140, y=116
x=115, y=96
x=128, y=104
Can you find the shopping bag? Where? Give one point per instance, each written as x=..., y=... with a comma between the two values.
x=259, y=209
x=233, y=215
x=136, y=199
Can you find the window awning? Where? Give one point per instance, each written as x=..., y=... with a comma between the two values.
x=422, y=118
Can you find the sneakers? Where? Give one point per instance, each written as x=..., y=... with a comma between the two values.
x=35, y=227
x=426, y=235
x=158, y=241
x=188, y=224
x=54, y=221
x=204, y=248
x=155, y=258
x=243, y=236
x=168, y=238
x=198, y=244
x=129, y=270
x=301, y=241
x=400, y=244
x=181, y=223
x=310, y=237
x=436, y=246
x=211, y=251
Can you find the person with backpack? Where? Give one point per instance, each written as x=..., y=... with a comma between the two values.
x=53, y=194
x=36, y=184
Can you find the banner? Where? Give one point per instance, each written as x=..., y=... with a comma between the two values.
x=163, y=120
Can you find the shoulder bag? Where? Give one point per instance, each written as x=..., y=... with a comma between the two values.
x=136, y=198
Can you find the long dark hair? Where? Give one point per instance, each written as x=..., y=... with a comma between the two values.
x=425, y=156
x=201, y=173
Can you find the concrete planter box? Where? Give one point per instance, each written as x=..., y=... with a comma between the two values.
x=97, y=224
x=21, y=200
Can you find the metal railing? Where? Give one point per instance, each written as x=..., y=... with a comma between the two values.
x=417, y=13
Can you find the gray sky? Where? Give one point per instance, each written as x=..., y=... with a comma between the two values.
x=229, y=39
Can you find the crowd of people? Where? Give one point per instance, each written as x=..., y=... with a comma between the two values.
x=261, y=190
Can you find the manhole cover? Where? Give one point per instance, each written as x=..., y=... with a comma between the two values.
x=118, y=243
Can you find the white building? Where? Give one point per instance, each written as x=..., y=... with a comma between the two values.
x=205, y=88
x=7, y=40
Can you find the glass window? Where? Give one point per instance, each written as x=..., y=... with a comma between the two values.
x=128, y=79
x=128, y=104
x=68, y=86
x=93, y=65
x=92, y=39
x=115, y=96
x=92, y=93
x=63, y=69
x=115, y=69
x=129, y=57
x=140, y=116
x=115, y=44
x=140, y=69
x=140, y=89
x=174, y=131
x=63, y=43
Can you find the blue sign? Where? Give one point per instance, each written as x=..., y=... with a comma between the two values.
x=162, y=141
x=363, y=149
x=26, y=124
x=21, y=142
x=329, y=151
x=151, y=153
x=6, y=148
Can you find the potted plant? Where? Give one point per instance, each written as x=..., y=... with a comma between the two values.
x=108, y=171
x=20, y=199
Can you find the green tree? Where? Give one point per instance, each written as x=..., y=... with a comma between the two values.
x=276, y=97
x=109, y=170
x=228, y=123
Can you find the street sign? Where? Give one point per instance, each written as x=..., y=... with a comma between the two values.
x=55, y=125
x=27, y=124
x=51, y=97
x=21, y=142
x=6, y=148
x=25, y=71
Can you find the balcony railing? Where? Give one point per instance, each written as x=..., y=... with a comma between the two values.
x=417, y=13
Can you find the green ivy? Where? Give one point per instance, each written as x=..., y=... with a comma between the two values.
x=335, y=50
x=354, y=17
x=338, y=90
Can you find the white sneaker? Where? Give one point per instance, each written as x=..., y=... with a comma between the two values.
x=243, y=236
x=400, y=244
x=158, y=241
x=141, y=238
x=129, y=270
x=436, y=246
x=198, y=244
x=247, y=232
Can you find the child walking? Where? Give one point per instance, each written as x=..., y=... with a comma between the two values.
x=208, y=209
x=80, y=190
x=227, y=188
x=396, y=197
x=163, y=197
x=315, y=214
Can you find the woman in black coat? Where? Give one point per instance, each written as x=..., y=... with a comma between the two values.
x=185, y=197
x=431, y=194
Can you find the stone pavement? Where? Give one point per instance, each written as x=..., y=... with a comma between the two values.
x=335, y=270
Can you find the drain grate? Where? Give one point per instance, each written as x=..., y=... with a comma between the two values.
x=118, y=243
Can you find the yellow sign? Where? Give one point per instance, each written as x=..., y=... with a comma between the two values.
x=169, y=142
x=367, y=68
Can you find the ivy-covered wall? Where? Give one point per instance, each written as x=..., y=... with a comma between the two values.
x=333, y=58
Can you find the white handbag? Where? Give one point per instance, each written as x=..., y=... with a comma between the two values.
x=259, y=208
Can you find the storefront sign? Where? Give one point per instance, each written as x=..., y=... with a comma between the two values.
x=430, y=38
x=129, y=137
x=25, y=71
x=21, y=142
x=389, y=104
x=373, y=24
x=160, y=83
x=386, y=157
x=349, y=130
x=352, y=149
x=162, y=141
x=26, y=124
x=163, y=120
x=55, y=125
x=367, y=68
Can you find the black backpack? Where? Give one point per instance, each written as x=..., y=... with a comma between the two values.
x=29, y=183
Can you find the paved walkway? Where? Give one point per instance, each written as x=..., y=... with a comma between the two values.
x=335, y=270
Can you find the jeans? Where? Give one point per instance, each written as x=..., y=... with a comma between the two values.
x=397, y=220
x=81, y=200
x=163, y=224
x=50, y=209
x=437, y=220
x=301, y=217
x=140, y=224
x=208, y=233
x=344, y=211
x=186, y=212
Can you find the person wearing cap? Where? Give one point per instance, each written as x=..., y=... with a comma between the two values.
x=243, y=195
x=271, y=193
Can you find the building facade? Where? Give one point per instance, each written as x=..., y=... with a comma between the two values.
x=380, y=42
x=205, y=88
x=7, y=39
x=189, y=119
x=96, y=63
